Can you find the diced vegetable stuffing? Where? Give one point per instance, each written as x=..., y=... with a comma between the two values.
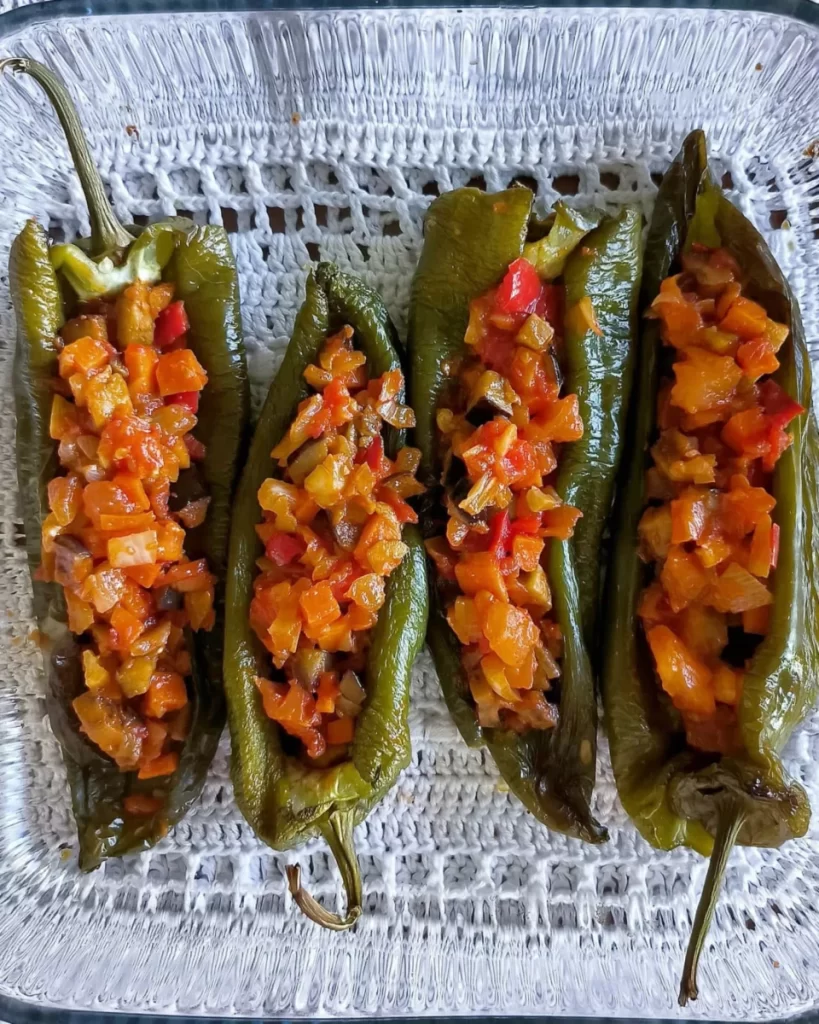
x=501, y=434
x=710, y=531
x=123, y=410
x=331, y=529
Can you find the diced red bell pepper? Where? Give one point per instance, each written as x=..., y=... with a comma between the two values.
x=549, y=304
x=779, y=407
x=190, y=400
x=284, y=548
x=171, y=324
x=373, y=456
x=519, y=289
x=525, y=525
x=499, y=534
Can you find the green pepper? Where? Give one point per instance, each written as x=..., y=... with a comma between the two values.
x=677, y=796
x=470, y=240
x=198, y=260
x=285, y=802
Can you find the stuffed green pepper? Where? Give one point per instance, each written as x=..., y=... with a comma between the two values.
x=131, y=399
x=521, y=355
x=327, y=598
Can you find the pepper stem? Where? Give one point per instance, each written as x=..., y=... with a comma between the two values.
x=731, y=819
x=107, y=234
x=338, y=831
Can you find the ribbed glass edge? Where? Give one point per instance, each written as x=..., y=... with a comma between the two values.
x=15, y=1011
x=806, y=11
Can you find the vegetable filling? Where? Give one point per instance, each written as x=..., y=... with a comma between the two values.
x=124, y=407
x=709, y=530
x=332, y=535
x=501, y=428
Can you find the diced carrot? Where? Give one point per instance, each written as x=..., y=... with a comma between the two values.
x=179, y=371
x=340, y=731
x=126, y=627
x=134, y=491
x=165, y=764
x=83, y=356
x=80, y=613
x=167, y=693
x=144, y=575
x=328, y=693
x=727, y=684
x=561, y=421
x=757, y=357
x=744, y=318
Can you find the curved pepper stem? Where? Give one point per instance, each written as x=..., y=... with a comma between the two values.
x=339, y=835
x=730, y=822
x=107, y=234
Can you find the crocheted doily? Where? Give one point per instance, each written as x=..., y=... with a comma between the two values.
x=326, y=135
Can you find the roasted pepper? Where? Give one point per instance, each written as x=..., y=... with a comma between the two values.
x=477, y=268
x=284, y=796
x=683, y=784
x=115, y=811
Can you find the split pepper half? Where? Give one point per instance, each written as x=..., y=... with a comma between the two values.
x=328, y=582
x=118, y=809
x=506, y=315
x=729, y=621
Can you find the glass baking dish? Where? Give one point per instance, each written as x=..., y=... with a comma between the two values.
x=309, y=131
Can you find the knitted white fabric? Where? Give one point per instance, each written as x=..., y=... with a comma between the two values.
x=328, y=135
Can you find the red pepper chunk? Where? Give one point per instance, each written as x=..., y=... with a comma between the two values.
x=284, y=548
x=171, y=324
x=499, y=534
x=188, y=399
x=519, y=289
x=779, y=407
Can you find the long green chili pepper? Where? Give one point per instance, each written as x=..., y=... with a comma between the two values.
x=677, y=796
x=285, y=802
x=45, y=281
x=470, y=240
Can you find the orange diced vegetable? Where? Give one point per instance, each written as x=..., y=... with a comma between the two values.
x=340, y=731
x=179, y=370
x=113, y=728
x=560, y=522
x=510, y=631
x=480, y=571
x=141, y=362
x=683, y=577
x=144, y=575
x=135, y=322
x=65, y=498
x=684, y=677
x=704, y=381
x=187, y=576
x=328, y=693
x=757, y=357
x=83, y=356
x=125, y=627
x=64, y=418
x=170, y=539
x=199, y=606
x=745, y=318
x=166, y=693
x=165, y=764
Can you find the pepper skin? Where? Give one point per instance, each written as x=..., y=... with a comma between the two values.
x=470, y=240
x=675, y=795
x=200, y=263
x=285, y=802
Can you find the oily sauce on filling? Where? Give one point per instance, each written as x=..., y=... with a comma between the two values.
x=124, y=406
x=501, y=429
x=710, y=530
x=332, y=534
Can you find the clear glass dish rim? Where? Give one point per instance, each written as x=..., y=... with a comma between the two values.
x=16, y=1011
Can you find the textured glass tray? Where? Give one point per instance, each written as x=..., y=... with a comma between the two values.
x=311, y=133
